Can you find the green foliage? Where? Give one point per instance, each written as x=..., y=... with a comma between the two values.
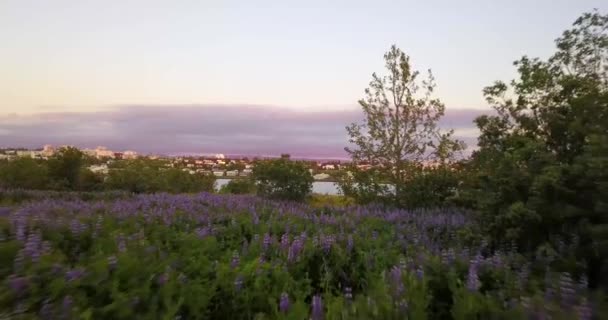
x=239, y=186
x=142, y=176
x=23, y=173
x=540, y=174
x=282, y=179
x=65, y=167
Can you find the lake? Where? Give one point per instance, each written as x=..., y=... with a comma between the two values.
x=320, y=187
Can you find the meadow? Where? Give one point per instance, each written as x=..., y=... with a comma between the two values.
x=66, y=255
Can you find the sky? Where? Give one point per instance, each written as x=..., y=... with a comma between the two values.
x=107, y=61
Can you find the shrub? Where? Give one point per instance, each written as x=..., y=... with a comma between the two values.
x=282, y=179
x=239, y=186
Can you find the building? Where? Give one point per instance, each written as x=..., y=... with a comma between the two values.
x=218, y=173
x=103, y=152
x=220, y=156
x=321, y=176
x=129, y=154
x=48, y=150
x=232, y=173
x=99, y=168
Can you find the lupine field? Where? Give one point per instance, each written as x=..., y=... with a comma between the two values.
x=208, y=256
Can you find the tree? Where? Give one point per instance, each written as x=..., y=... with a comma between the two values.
x=23, y=173
x=540, y=171
x=239, y=186
x=282, y=179
x=65, y=167
x=400, y=126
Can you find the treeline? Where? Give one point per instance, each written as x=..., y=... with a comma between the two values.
x=538, y=180
x=68, y=170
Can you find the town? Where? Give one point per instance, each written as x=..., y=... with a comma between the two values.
x=218, y=165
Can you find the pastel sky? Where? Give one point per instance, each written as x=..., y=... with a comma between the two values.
x=101, y=60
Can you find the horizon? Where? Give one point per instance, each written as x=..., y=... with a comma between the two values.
x=117, y=74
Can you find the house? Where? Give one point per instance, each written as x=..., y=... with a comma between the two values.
x=329, y=167
x=321, y=176
x=99, y=168
x=232, y=173
x=218, y=173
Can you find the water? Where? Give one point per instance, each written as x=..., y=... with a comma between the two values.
x=320, y=187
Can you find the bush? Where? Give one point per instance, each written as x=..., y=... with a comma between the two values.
x=23, y=173
x=138, y=176
x=282, y=179
x=239, y=186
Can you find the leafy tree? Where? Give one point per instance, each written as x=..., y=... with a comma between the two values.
x=400, y=127
x=144, y=176
x=540, y=172
x=23, y=173
x=65, y=167
x=239, y=186
x=282, y=179
x=89, y=180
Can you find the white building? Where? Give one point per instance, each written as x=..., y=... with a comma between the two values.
x=129, y=154
x=103, y=152
x=232, y=173
x=48, y=150
x=220, y=156
x=99, y=168
x=218, y=173
x=321, y=176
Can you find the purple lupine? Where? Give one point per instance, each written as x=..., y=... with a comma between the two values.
x=396, y=282
x=284, y=303
x=566, y=290
x=584, y=310
x=235, y=260
x=74, y=274
x=317, y=308
x=112, y=262
x=19, y=285
x=46, y=310
x=285, y=242
x=420, y=273
x=350, y=243
x=33, y=246
x=19, y=261
x=348, y=294
x=473, y=283
x=162, y=279
x=66, y=306
x=267, y=242
x=238, y=283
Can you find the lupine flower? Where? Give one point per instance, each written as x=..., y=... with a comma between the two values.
x=267, y=242
x=66, y=306
x=285, y=242
x=235, y=260
x=112, y=262
x=74, y=274
x=350, y=243
x=238, y=283
x=317, y=308
x=284, y=303
x=566, y=290
x=348, y=294
x=46, y=310
x=396, y=282
x=584, y=310
x=473, y=283
x=19, y=285
x=420, y=273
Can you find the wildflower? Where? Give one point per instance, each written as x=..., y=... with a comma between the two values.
x=235, y=260
x=112, y=262
x=19, y=285
x=284, y=302
x=317, y=308
x=74, y=274
x=238, y=283
x=348, y=294
x=396, y=281
x=473, y=282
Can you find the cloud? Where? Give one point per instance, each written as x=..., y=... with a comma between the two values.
x=231, y=129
